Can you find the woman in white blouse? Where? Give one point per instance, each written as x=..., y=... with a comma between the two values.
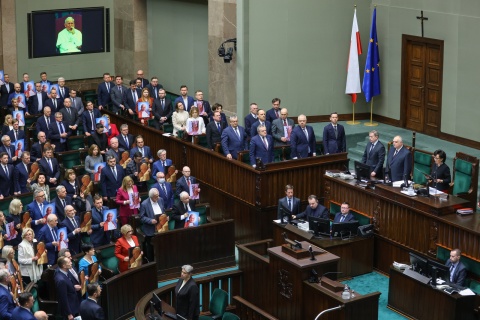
x=179, y=118
x=195, y=124
x=27, y=259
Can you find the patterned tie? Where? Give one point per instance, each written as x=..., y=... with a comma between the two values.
x=336, y=132
x=285, y=123
x=265, y=142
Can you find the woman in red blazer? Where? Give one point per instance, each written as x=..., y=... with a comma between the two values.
x=127, y=241
x=112, y=129
x=126, y=195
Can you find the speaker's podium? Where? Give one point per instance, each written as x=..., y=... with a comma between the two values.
x=289, y=268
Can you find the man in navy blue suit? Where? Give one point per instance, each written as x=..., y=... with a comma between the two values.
x=251, y=118
x=44, y=122
x=274, y=113
x=54, y=103
x=6, y=176
x=165, y=189
x=36, y=103
x=184, y=98
x=37, y=148
x=234, y=139
x=261, y=121
x=88, y=119
x=20, y=174
x=48, y=235
x=143, y=149
x=68, y=289
x=161, y=163
x=150, y=209
x=98, y=236
x=72, y=223
x=103, y=92
x=63, y=92
x=131, y=97
x=162, y=109
x=89, y=308
x=214, y=130
x=399, y=161
x=374, y=155
x=7, y=305
x=36, y=208
x=5, y=90
x=23, y=312
x=261, y=146
x=49, y=165
x=9, y=149
x=117, y=95
x=111, y=178
x=16, y=134
x=61, y=202
x=334, y=140
x=288, y=205
x=59, y=133
x=458, y=271
x=302, y=140
x=125, y=139
x=344, y=215
x=314, y=209
x=153, y=87
x=44, y=80
x=183, y=183
x=143, y=82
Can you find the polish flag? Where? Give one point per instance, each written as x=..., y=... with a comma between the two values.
x=353, y=71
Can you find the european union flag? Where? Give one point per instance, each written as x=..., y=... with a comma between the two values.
x=371, y=76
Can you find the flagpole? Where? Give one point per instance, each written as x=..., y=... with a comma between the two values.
x=371, y=123
x=353, y=122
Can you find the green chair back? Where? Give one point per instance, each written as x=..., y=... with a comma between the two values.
x=218, y=302
x=463, y=176
x=202, y=141
x=277, y=154
x=36, y=306
x=362, y=219
x=422, y=163
x=168, y=128
x=29, y=121
x=473, y=267
x=70, y=160
x=319, y=148
x=75, y=143
x=230, y=316
x=108, y=259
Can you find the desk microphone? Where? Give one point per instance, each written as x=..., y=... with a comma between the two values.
x=323, y=275
x=312, y=256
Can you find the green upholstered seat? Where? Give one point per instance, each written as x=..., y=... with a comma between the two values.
x=218, y=304
x=422, y=163
x=230, y=316
x=319, y=148
x=32, y=288
x=76, y=142
x=202, y=141
x=463, y=177
x=361, y=218
x=168, y=128
x=107, y=258
x=277, y=154
x=69, y=159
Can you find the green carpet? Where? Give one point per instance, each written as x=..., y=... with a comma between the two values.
x=372, y=282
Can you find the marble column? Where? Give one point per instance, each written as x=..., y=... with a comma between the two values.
x=8, y=39
x=131, y=44
x=222, y=25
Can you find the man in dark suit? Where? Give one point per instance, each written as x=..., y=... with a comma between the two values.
x=234, y=139
x=280, y=129
x=131, y=97
x=261, y=121
x=251, y=118
x=184, y=98
x=111, y=178
x=117, y=95
x=314, y=209
x=70, y=116
x=125, y=139
x=274, y=113
x=36, y=103
x=183, y=183
x=7, y=305
x=98, y=236
x=374, y=155
x=63, y=92
x=23, y=312
x=37, y=148
x=161, y=163
x=153, y=87
x=114, y=150
x=302, y=140
x=181, y=209
x=334, y=140
x=17, y=88
x=59, y=133
x=399, y=161
x=44, y=122
x=5, y=90
x=20, y=174
x=77, y=103
x=16, y=134
x=143, y=82
x=99, y=137
x=165, y=189
x=162, y=109
x=49, y=165
x=458, y=272
x=150, y=209
x=89, y=308
x=103, y=91
x=261, y=146
x=142, y=148
x=53, y=102
x=44, y=80
x=344, y=215
x=48, y=235
x=36, y=208
x=88, y=119
x=9, y=149
x=72, y=223
x=214, y=130
x=67, y=289
x=288, y=205
x=204, y=109
x=6, y=176
x=61, y=201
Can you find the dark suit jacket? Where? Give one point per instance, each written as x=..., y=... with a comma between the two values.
x=128, y=98
x=213, y=135
x=349, y=217
x=20, y=177
x=98, y=237
x=158, y=167
x=400, y=165
x=33, y=104
x=45, y=168
x=68, y=300
x=299, y=144
x=108, y=182
x=182, y=185
x=319, y=212
x=20, y=136
x=36, y=151
x=231, y=144
x=22, y=314
x=35, y=214
x=178, y=210
x=271, y=116
x=375, y=158
x=206, y=108
x=190, y=102
x=74, y=240
x=188, y=299
x=146, y=216
x=258, y=150
x=66, y=93
x=154, y=90
x=54, y=135
x=59, y=105
x=253, y=130
x=167, y=197
x=59, y=209
x=101, y=140
x=103, y=95
x=3, y=148
x=159, y=112
x=459, y=274
x=249, y=120
x=45, y=235
x=278, y=131
x=90, y=310
x=71, y=118
x=145, y=82
x=117, y=97
x=116, y=154
x=87, y=120
x=7, y=305
x=6, y=181
x=42, y=125
x=122, y=144
x=4, y=93
x=283, y=208
x=146, y=152
x=332, y=144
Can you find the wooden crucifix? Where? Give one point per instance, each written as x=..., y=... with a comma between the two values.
x=422, y=18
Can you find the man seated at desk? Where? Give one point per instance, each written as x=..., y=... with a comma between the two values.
x=458, y=272
x=344, y=215
x=314, y=209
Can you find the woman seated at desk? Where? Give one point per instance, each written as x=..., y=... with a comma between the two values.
x=440, y=172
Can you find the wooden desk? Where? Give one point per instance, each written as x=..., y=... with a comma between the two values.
x=356, y=255
x=404, y=224
x=421, y=301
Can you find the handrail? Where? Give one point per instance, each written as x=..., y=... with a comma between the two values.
x=328, y=310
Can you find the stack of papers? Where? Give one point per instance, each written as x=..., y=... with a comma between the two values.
x=464, y=211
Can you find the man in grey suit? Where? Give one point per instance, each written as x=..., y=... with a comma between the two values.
x=77, y=102
x=288, y=206
x=150, y=210
x=117, y=95
x=282, y=128
x=70, y=116
x=374, y=155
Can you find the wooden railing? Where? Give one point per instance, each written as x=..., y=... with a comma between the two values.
x=248, y=311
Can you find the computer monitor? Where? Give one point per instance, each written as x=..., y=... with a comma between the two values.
x=437, y=270
x=319, y=226
x=419, y=264
x=156, y=302
x=345, y=229
x=286, y=216
x=362, y=171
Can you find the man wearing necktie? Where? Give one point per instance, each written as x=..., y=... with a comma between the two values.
x=59, y=133
x=234, y=139
x=103, y=91
x=261, y=146
x=9, y=149
x=16, y=134
x=131, y=97
x=399, y=161
x=302, y=140
x=334, y=140
x=61, y=201
x=111, y=178
x=288, y=206
x=117, y=95
x=48, y=235
x=70, y=116
x=374, y=155
x=49, y=166
x=88, y=119
x=458, y=271
x=143, y=149
x=261, y=121
x=162, y=109
x=21, y=173
x=72, y=223
x=181, y=209
x=6, y=176
x=282, y=129
x=344, y=215
x=274, y=113
x=184, y=183
x=64, y=92
x=162, y=162
x=165, y=189
x=53, y=102
x=214, y=130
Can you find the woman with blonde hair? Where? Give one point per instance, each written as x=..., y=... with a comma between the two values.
x=27, y=258
x=7, y=124
x=15, y=208
x=195, y=124
x=127, y=197
x=122, y=246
